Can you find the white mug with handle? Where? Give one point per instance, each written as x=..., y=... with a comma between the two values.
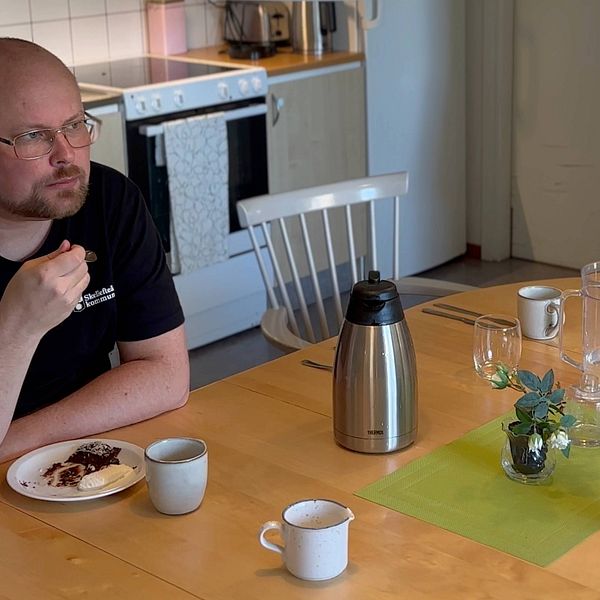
x=315, y=538
x=538, y=307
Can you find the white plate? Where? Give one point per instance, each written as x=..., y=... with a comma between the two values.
x=25, y=474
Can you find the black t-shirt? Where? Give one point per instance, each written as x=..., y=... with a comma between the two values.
x=130, y=297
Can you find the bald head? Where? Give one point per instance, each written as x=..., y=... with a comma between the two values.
x=26, y=65
x=36, y=88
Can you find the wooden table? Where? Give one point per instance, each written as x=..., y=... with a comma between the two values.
x=270, y=442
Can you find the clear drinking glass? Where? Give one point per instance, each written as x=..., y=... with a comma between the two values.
x=496, y=342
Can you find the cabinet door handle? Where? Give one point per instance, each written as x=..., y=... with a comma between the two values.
x=276, y=105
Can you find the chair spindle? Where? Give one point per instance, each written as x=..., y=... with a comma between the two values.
x=332, y=267
x=351, y=245
x=314, y=277
x=297, y=283
x=280, y=282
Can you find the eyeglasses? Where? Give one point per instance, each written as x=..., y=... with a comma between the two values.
x=39, y=142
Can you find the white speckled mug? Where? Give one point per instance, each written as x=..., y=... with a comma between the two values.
x=315, y=537
x=176, y=474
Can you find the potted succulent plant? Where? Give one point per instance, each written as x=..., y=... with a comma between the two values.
x=539, y=426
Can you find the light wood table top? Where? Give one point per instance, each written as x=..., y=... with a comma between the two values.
x=270, y=441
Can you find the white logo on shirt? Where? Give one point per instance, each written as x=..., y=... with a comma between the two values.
x=93, y=298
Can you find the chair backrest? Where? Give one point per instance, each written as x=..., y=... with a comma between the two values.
x=262, y=212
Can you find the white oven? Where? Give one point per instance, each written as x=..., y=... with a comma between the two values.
x=226, y=297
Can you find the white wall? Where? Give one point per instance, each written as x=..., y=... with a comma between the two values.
x=556, y=132
x=552, y=136
x=82, y=31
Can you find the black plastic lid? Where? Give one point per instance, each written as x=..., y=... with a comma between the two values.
x=374, y=302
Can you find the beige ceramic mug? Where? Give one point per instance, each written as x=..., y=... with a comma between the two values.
x=315, y=538
x=176, y=474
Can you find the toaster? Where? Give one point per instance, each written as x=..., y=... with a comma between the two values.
x=256, y=22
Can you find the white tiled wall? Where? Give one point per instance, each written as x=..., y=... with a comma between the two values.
x=83, y=31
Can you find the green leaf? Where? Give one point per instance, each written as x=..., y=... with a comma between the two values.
x=547, y=382
x=529, y=400
x=523, y=416
x=556, y=396
x=530, y=380
x=568, y=420
x=541, y=410
x=566, y=451
x=521, y=428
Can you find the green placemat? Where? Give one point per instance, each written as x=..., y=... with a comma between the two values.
x=462, y=487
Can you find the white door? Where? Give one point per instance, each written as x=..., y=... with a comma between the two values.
x=556, y=132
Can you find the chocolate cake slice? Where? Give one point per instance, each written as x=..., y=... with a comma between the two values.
x=88, y=458
x=95, y=456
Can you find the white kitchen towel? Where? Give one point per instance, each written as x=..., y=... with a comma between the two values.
x=198, y=170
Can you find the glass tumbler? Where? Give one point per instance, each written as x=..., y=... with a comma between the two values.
x=583, y=402
x=496, y=343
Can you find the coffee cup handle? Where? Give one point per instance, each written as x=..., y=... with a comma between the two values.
x=561, y=321
x=268, y=526
x=553, y=311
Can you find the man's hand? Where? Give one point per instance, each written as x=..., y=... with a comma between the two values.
x=44, y=291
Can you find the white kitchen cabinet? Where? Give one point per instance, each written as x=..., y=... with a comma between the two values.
x=109, y=148
x=316, y=131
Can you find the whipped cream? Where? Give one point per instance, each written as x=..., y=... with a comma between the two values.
x=104, y=477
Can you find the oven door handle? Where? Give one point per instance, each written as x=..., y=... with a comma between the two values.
x=230, y=115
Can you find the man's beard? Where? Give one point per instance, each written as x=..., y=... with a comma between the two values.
x=64, y=204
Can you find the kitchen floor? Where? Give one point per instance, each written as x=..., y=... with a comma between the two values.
x=249, y=348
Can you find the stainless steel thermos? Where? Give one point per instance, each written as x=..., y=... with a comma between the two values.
x=374, y=377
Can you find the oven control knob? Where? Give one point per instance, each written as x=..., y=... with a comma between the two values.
x=244, y=87
x=178, y=98
x=140, y=105
x=223, y=90
x=257, y=84
x=156, y=102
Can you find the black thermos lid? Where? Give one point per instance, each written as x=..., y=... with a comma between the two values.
x=374, y=302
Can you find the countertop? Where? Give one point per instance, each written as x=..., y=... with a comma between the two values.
x=92, y=98
x=285, y=61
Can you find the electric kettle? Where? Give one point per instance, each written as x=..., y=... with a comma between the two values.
x=374, y=376
x=313, y=24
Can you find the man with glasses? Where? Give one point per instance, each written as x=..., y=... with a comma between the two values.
x=81, y=268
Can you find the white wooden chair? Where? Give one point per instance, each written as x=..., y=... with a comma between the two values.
x=279, y=324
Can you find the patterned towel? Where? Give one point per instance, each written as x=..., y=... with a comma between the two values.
x=197, y=165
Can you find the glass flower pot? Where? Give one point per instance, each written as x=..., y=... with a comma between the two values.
x=522, y=464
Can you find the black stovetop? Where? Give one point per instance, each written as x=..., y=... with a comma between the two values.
x=144, y=70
